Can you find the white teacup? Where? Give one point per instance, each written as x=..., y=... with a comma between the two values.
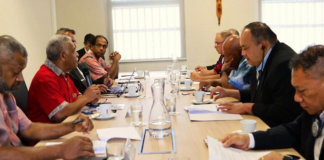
x=188, y=83
x=132, y=90
x=188, y=73
x=184, y=67
x=104, y=109
x=140, y=73
x=248, y=125
x=199, y=96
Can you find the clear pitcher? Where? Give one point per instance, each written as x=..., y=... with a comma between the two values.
x=159, y=120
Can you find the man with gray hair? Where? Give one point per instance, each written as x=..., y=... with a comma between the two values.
x=213, y=73
x=13, y=59
x=52, y=95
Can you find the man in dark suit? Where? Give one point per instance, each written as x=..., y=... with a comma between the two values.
x=305, y=133
x=271, y=96
x=86, y=43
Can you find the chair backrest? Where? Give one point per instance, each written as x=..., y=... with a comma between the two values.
x=21, y=96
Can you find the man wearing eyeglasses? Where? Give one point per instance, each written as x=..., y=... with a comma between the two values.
x=93, y=59
x=214, y=73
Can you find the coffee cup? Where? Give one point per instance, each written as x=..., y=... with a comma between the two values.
x=104, y=109
x=184, y=67
x=248, y=125
x=188, y=83
x=199, y=96
x=132, y=90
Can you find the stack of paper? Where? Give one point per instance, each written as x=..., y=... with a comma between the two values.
x=210, y=113
x=218, y=152
x=120, y=132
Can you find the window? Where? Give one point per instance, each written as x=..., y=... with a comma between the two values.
x=298, y=23
x=144, y=30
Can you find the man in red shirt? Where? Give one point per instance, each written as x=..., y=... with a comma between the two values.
x=214, y=73
x=52, y=95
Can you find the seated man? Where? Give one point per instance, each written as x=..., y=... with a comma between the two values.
x=93, y=59
x=13, y=59
x=240, y=77
x=200, y=68
x=77, y=75
x=304, y=134
x=86, y=43
x=271, y=95
x=213, y=74
x=52, y=95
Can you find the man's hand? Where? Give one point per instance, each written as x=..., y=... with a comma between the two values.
x=85, y=126
x=222, y=92
x=103, y=88
x=229, y=107
x=272, y=156
x=115, y=56
x=108, y=81
x=92, y=93
x=77, y=147
x=204, y=85
x=227, y=65
x=239, y=141
x=195, y=76
x=199, y=68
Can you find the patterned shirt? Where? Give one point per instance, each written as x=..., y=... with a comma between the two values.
x=12, y=121
x=241, y=78
x=50, y=91
x=97, y=68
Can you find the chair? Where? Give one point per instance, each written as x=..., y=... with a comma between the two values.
x=21, y=96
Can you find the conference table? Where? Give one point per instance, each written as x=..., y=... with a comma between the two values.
x=189, y=135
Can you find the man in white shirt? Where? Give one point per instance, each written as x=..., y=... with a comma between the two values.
x=305, y=133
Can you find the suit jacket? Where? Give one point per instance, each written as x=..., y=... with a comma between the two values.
x=296, y=134
x=78, y=80
x=214, y=65
x=81, y=52
x=274, y=97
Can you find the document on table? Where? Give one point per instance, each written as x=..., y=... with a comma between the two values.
x=218, y=152
x=99, y=147
x=210, y=112
x=119, y=132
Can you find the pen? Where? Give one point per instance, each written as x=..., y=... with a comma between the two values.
x=78, y=121
x=82, y=120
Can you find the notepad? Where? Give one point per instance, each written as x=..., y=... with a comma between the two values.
x=218, y=152
x=99, y=147
x=119, y=132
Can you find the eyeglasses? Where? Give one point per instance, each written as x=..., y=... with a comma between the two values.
x=99, y=45
x=218, y=43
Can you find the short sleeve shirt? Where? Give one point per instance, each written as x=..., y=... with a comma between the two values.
x=219, y=65
x=98, y=68
x=50, y=91
x=241, y=78
x=12, y=121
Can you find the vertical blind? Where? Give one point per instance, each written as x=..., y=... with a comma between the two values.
x=298, y=23
x=147, y=30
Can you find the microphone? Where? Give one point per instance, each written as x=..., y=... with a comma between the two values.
x=86, y=74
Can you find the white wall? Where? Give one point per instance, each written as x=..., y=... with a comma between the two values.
x=87, y=16
x=30, y=23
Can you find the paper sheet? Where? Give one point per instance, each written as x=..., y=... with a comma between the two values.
x=219, y=116
x=218, y=152
x=99, y=147
x=209, y=107
x=120, y=132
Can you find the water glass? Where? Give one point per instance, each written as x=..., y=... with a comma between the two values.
x=115, y=151
x=146, y=75
x=140, y=73
x=170, y=103
x=136, y=110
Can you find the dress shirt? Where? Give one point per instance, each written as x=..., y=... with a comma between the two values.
x=261, y=66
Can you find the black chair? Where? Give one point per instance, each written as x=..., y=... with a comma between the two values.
x=21, y=96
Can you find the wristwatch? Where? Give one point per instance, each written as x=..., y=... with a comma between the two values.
x=221, y=72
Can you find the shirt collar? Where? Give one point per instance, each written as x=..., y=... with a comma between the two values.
x=265, y=60
x=49, y=64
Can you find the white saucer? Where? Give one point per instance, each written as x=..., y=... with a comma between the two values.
x=240, y=131
x=131, y=96
x=185, y=89
x=112, y=115
x=138, y=77
x=183, y=71
x=208, y=101
x=187, y=77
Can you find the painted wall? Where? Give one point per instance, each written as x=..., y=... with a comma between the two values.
x=31, y=24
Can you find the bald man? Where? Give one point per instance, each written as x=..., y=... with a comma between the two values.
x=239, y=78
